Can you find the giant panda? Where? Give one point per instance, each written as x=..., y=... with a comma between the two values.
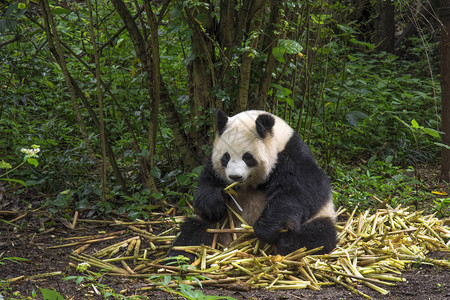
x=281, y=191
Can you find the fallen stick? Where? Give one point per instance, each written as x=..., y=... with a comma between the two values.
x=83, y=242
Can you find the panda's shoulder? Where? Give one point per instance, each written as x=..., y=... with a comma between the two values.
x=296, y=148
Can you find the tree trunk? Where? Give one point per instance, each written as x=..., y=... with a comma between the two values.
x=256, y=15
x=385, y=25
x=101, y=118
x=143, y=53
x=444, y=13
x=270, y=41
x=202, y=73
x=155, y=82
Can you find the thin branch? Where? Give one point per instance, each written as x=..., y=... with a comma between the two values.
x=13, y=40
x=100, y=103
x=156, y=84
x=81, y=95
x=51, y=31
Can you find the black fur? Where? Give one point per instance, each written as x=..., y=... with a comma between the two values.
x=193, y=232
x=225, y=159
x=314, y=234
x=296, y=190
x=209, y=198
x=249, y=160
x=222, y=120
x=264, y=125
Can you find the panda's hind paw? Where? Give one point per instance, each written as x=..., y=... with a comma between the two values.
x=268, y=234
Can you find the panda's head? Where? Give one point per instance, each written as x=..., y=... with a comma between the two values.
x=247, y=145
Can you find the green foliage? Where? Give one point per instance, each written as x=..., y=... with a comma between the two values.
x=9, y=19
x=286, y=46
x=30, y=157
x=137, y=205
x=93, y=278
x=12, y=259
x=442, y=206
x=184, y=290
x=354, y=103
x=103, y=289
x=61, y=202
x=362, y=113
x=50, y=294
x=5, y=285
x=177, y=284
x=379, y=180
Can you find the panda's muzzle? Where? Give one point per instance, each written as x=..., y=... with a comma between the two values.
x=237, y=178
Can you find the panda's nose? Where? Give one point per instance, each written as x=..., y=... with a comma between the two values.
x=237, y=178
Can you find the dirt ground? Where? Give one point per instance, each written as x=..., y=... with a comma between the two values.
x=38, y=231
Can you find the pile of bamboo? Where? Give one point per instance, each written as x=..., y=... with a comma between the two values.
x=373, y=250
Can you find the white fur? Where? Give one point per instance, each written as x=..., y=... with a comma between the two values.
x=239, y=137
x=327, y=211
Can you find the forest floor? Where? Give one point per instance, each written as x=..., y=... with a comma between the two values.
x=29, y=236
x=422, y=282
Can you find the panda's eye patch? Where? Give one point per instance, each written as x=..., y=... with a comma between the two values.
x=225, y=159
x=249, y=160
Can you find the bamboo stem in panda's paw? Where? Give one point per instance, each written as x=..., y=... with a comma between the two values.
x=229, y=190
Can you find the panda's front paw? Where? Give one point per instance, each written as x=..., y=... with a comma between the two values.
x=266, y=232
x=213, y=213
x=211, y=206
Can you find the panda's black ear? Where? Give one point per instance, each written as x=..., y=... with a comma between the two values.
x=222, y=120
x=264, y=124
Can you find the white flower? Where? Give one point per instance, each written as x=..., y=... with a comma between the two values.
x=83, y=266
x=31, y=152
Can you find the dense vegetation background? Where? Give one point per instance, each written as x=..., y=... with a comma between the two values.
x=120, y=96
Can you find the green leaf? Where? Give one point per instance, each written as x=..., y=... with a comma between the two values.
x=33, y=161
x=414, y=123
x=198, y=170
x=51, y=295
x=356, y=42
x=432, y=132
x=4, y=165
x=58, y=10
x=355, y=116
x=133, y=215
x=352, y=58
x=346, y=29
x=183, y=179
x=442, y=145
x=167, y=279
x=15, y=180
x=155, y=172
x=389, y=159
x=7, y=24
x=290, y=46
x=15, y=259
x=281, y=91
x=49, y=83
x=144, y=152
x=278, y=54
x=290, y=102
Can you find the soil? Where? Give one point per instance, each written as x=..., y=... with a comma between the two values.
x=38, y=231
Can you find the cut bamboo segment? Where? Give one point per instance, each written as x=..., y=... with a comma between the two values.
x=373, y=250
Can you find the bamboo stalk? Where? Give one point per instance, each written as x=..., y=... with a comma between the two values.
x=83, y=242
x=97, y=236
x=373, y=250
